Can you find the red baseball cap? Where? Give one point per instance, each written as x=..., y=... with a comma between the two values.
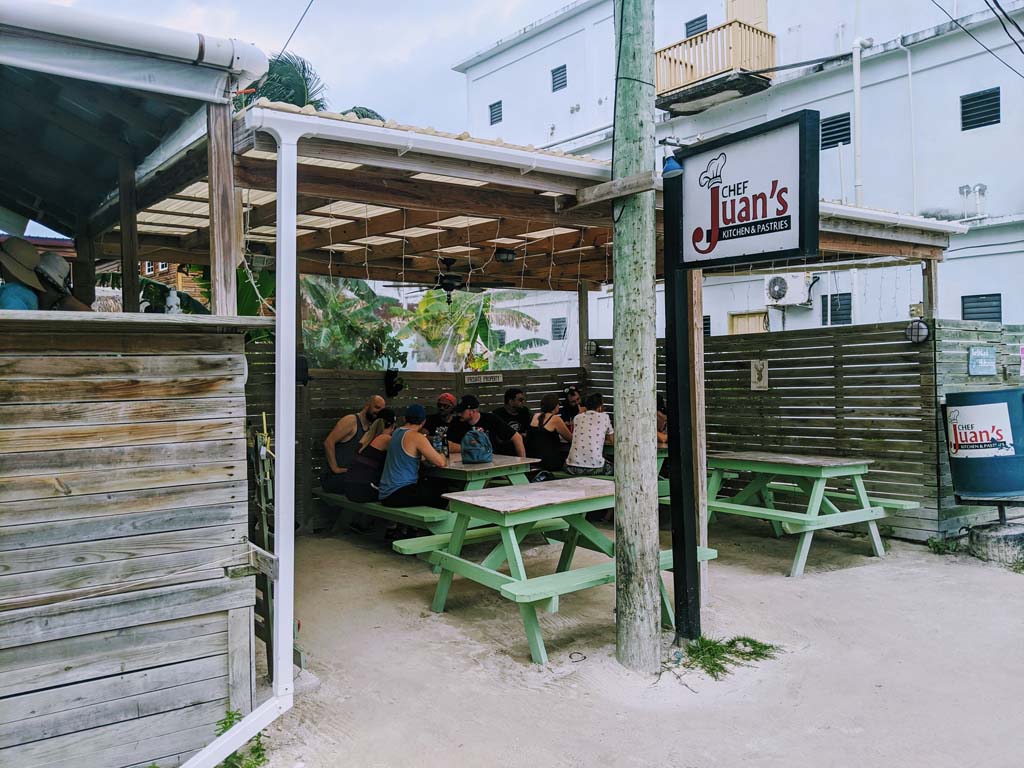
x=446, y=397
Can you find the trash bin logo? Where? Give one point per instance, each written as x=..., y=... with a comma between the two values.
x=979, y=431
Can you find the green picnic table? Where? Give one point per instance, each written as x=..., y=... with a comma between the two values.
x=515, y=511
x=475, y=476
x=806, y=477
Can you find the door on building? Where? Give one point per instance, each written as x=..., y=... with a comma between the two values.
x=748, y=322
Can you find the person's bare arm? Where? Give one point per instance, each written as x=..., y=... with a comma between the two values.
x=520, y=446
x=426, y=450
x=454, y=447
x=563, y=431
x=344, y=430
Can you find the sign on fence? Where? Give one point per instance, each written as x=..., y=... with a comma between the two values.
x=484, y=378
x=981, y=361
x=753, y=195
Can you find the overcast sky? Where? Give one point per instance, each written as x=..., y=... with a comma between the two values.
x=392, y=55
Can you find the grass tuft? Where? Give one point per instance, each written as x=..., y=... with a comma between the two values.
x=716, y=658
x=942, y=546
x=1017, y=566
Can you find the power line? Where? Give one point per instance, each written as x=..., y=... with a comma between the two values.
x=296, y=28
x=1009, y=18
x=1003, y=25
x=1005, y=64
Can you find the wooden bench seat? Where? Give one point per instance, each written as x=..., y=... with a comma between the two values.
x=432, y=519
x=798, y=522
x=542, y=588
x=420, y=545
x=896, y=504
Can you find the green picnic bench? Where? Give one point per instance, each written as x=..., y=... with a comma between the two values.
x=516, y=512
x=432, y=519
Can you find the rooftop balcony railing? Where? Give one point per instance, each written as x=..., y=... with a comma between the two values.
x=733, y=46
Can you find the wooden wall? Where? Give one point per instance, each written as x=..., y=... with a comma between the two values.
x=861, y=390
x=122, y=504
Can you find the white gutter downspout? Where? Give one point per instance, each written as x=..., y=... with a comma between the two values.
x=284, y=464
x=913, y=141
x=858, y=181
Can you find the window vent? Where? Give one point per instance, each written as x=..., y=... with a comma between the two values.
x=696, y=26
x=979, y=109
x=558, y=326
x=707, y=325
x=495, y=110
x=559, y=78
x=842, y=309
x=835, y=130
x=986, y=306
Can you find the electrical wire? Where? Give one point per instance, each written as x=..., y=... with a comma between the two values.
x=971, y=35
x=1009, y=18
x=1003, y=25
x=296, y=27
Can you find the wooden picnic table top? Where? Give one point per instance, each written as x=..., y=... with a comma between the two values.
x=497, y=461
x=766, y=457
x=512, y=498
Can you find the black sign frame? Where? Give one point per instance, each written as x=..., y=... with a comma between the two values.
x=809, y=123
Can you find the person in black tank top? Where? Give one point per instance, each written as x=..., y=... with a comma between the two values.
x=363, y=476
x=546, y=433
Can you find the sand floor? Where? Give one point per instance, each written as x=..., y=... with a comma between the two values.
x=915, y=660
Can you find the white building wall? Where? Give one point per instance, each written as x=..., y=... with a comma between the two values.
x=912, y=162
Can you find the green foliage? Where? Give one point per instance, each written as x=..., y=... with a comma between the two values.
x=349, y=326
x=365, y=113
x=716, y=658
x=942, y=546
x=154, y=293
x=1017, y=566
x=290, y=79
x=460, y=334
x=253, y=755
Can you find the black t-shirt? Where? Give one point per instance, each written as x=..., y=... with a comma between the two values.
x=435, y=420
x=497, y=430
x=519, y=421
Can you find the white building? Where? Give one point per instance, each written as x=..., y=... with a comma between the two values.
x=941, y=122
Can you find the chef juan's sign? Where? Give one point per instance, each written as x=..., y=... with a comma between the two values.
x=979, y=431
x=753, y=195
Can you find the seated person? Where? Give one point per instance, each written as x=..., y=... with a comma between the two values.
x=591, y=432
x=470, y=417
x=572, y=405
x=514, y=413
x=21, y=286
x=400, y=483
x=546, y=433
x=343, y=441
x=362, y=480
x=438, y=424
x=662, y=420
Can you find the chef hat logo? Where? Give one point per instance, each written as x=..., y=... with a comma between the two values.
x=713, y=174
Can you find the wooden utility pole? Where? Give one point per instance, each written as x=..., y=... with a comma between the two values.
x=637, y=585
x=130, y=281
x=225, y=245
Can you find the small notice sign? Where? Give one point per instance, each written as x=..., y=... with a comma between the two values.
x=1021, y=371
x=981, y=361
x=759, y=374
x=484, y=378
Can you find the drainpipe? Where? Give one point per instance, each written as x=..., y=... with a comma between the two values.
x=913, y=149
x=858, y=181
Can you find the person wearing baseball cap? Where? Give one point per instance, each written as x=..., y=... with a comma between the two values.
x=470, y=417
x=438, y=424
x=21, y=286
x=400, y=482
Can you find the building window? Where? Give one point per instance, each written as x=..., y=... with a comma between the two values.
x=979, y=109
x=495, y=110
x=559, y=78
x=147, y=267
x=162, y=266
x=696, y=26
x=984, y=306
x=841, y=310
x=707, y=325
x=498, y=339
x=558, y=326
x=835, y=130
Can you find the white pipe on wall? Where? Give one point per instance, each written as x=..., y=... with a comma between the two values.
x=858, y=181
x=913, y=145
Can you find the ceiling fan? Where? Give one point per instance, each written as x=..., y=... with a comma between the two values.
x=449, y=281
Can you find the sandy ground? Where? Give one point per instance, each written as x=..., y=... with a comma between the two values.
x=914, y=660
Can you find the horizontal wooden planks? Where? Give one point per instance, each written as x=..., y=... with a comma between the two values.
x=107, y=435
x=121, y=366
x=119, y=389
x=127, y=412
x=121, y=344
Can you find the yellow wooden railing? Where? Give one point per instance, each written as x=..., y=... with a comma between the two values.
x=734, y=45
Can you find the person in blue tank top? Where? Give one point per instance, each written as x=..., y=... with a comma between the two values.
x=400, y=483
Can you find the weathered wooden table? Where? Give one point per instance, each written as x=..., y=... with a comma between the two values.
x=806, y=476
x=515, y=511
x=475, y=476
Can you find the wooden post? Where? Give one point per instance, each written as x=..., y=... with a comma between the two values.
x=83, y=271
x=224, y=244
x=129, y=237
x=931, y=288
x=637, y=585
x=583, y=318
x=684, y=380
